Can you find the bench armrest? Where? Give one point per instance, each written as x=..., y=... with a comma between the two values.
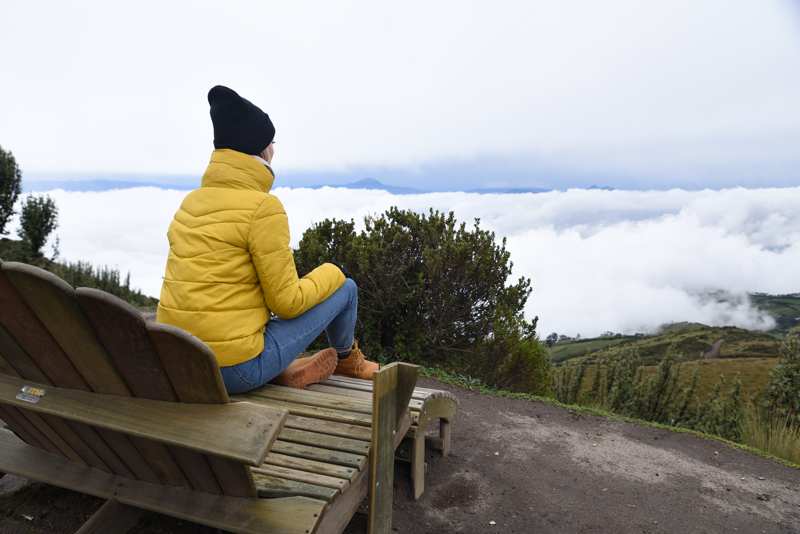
x=241, y=432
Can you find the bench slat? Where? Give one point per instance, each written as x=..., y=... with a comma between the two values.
x=30, y=333
x=320, y=455
x=19, y=430
x=59, y=442
x=344, y=392
x=18, y=360
x=302, y=476
x=310, y=411
x=123, y=331
x=234, y=478
x=328, y=427
x=270, y=487
x=75, y=441
x=308, y=398
x=54, y=303
x=190, y=365
x=197, y=469
x=335, y=443
x=311, y=466
x=296, y=515
x=109, y=456
x=242, y=432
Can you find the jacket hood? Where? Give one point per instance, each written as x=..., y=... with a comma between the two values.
x=235, y=170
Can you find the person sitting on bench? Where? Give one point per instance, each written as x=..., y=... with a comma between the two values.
x=231, y=279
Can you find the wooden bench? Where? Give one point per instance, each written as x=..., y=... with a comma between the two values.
x=427, y=405
x=101, y=402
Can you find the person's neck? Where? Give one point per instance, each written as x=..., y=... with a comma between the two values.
x=265, y=163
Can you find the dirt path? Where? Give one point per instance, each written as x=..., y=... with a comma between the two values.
x=532, y=467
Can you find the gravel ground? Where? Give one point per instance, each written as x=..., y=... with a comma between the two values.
x=523, y=466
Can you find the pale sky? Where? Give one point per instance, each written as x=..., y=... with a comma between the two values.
x=431, y=95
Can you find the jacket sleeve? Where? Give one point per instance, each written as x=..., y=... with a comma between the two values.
x=285, y=294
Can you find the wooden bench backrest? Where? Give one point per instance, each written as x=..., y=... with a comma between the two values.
x=91, y=341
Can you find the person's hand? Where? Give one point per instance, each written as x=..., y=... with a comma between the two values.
x=345, y=272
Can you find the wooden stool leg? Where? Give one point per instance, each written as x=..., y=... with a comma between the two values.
x=112, y=518
x=418, y=465
x=444, y=433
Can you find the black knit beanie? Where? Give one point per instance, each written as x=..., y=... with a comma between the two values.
x=238, y=124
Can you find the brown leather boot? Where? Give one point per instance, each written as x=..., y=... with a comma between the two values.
x=311, y=370
x=355, y=366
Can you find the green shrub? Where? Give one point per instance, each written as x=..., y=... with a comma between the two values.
x=782, y=393
x=10, y=187
x=434, y=292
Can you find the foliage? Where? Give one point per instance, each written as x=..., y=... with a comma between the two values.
x=782, y=394
x=433, y=291
x=513, y=359
x=10, y=187
x=37, y=219
x=771, y=432
x=82, y=274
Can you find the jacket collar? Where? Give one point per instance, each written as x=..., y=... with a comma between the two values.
x=234, y=170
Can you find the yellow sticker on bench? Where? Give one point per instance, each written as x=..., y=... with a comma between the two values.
x=29, y=394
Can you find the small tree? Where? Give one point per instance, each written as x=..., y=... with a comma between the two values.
x=782, y=394
x=10, y=187
x=38, y=218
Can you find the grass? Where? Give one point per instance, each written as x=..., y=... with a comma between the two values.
x=459, y=381
x=773, y=435
x=753, y=372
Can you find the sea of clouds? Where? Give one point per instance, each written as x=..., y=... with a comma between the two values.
x=620, y=261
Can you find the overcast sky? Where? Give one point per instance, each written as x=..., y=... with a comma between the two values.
x=432, y=95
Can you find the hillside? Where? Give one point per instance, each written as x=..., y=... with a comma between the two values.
x=694, y=341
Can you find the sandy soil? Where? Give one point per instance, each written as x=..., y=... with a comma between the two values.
x=522, y=466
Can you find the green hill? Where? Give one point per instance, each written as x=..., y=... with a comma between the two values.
x=692, y=340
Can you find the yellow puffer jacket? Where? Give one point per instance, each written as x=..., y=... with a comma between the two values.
x=230, y=263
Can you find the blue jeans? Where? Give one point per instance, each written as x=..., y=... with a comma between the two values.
x=285, y=339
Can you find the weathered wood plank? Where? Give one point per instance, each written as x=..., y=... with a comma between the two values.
x=106, y=453
x=301, y=476
x=418, y=465
x=316, y=412
x=335, y=443
x=54, y=437
x=381, y=460
x=319, y=455
x=162, y=462
x=242, y=432
x=20, y=422
x=5, y=367
x=18, y=429
x=407, y=376
x=129, y=454
x=341, y=512
x=329, y=427
x=190, y=365
x=123, y=331
x=54, y=303
x=270, y=487
x=18, y=360
x=309, y=398
x=24, y=326
x=444, y=434
x=366, y=396
x=364, y=386
x=298, y=515
x=311, y=466
x=234, y=478
x=112, y=518
x=70, y=436
x=197, y=469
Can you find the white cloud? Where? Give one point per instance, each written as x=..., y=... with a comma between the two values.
x=598, y=260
